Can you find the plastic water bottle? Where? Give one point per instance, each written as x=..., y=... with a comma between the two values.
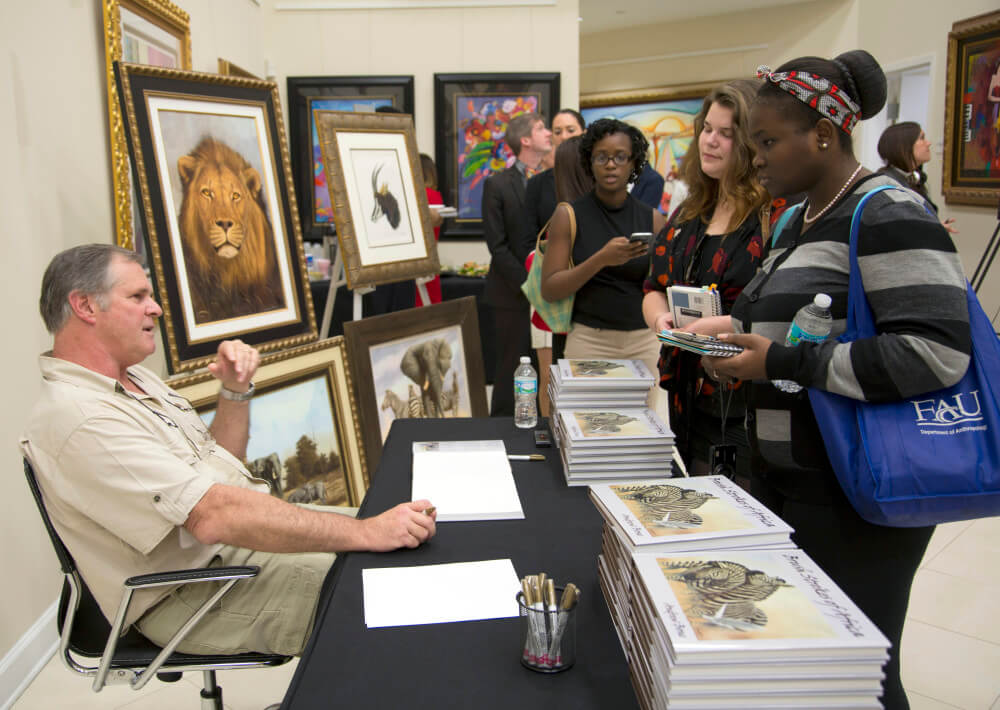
x=812, y=323
x=525, y=394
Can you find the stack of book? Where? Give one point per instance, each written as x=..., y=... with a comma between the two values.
x=581, y=384
x=608, y=444
x=716, y=608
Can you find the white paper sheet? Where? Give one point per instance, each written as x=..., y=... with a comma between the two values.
x=438, y=594
x=466, y=480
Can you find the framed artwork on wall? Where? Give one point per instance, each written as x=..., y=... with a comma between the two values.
x=331, y=93
x=471, y=112
x=972, y=112
x=421, y=362
x=154, y=32
x=305, y=439
x=219, y=211
x=664, y=115
x=377, y=187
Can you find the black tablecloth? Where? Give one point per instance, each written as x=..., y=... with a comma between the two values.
x=469, y=664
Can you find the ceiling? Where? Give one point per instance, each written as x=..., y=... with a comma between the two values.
x=603, y=15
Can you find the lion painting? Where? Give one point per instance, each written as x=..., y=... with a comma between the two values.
x=226, y=236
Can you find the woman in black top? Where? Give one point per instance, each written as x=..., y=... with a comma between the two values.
x=608, y=270
x=713, y=238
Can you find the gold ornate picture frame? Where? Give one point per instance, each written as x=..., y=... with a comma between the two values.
x=377, y=190
x=971, y=174
x=305, y=436
x=211, y=160
x=142, y=32
x=227, y=68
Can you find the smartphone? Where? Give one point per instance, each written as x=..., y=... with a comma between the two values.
x=644, y=237
x=542, y=438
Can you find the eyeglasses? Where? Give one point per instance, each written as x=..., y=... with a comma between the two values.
x=603, y=158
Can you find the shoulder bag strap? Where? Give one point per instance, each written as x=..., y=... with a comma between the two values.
x=783, y=221
x=572, y=228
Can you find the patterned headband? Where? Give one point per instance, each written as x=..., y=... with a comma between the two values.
x=819, y=94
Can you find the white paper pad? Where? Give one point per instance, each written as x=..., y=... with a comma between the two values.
x=440, y=594
x=466, y=480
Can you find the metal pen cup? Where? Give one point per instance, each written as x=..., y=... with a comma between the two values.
x=548, y=636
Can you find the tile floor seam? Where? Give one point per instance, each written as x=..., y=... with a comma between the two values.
x=912, y=693
x=951, y=631
x=952, y=575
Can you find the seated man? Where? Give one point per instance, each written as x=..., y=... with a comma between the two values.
x=136, y=483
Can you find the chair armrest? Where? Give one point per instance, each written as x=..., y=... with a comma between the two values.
x=187, y=576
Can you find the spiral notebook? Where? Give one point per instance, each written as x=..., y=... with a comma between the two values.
x=689, y=303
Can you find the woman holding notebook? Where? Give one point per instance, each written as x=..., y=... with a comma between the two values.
x=713, y=239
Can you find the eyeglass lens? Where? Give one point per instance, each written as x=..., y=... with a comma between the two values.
x=619, y=158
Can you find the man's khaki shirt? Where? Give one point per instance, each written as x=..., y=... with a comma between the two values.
x=120, y=472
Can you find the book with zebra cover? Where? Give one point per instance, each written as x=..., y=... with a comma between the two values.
x=613, y=426
x=579, y=374
x=703, y=512
x=762, y=605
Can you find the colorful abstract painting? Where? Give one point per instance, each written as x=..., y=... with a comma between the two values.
x=482, y=122
x=667, y=125
x=323, y=209
x=981, y=110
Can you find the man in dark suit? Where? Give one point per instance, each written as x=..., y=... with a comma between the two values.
x=504, y=230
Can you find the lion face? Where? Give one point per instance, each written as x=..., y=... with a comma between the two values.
x=223, y=195
x=226, y=236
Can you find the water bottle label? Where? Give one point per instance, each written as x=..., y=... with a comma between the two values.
x=797, y=335
x=525, y=385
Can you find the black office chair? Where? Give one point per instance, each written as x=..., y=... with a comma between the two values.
x=133, y=659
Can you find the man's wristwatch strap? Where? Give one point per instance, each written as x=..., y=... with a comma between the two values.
x=237, y=396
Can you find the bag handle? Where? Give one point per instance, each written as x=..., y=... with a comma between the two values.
x=572, y=229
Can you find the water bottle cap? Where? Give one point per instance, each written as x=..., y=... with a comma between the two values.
x=822, y=300
x=525, y=360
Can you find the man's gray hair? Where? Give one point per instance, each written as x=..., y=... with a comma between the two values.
x=520, y=127
x=84, y=268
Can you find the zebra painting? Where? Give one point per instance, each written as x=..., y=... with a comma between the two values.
x=666, y=505
x=725, y=593
x=393, y=402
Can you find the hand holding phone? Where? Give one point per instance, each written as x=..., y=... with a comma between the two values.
x=644, y=237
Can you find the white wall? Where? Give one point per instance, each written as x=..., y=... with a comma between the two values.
x=55, y=190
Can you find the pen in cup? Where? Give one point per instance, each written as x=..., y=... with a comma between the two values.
x=568, y=601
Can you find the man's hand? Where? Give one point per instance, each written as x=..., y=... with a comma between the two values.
x=406, y=525
x=751, y=364
x=235, y=365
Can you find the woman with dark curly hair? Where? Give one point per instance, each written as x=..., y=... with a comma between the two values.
x=714, y=238
x=607, y=270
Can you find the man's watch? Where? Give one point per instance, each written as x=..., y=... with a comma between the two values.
x=237, y=396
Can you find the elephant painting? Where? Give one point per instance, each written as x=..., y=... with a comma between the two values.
x=268, y=468
x=426, y=363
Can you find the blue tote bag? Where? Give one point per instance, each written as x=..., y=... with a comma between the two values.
x=929, y=459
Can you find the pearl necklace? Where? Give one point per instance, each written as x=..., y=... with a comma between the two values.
x=809, y=220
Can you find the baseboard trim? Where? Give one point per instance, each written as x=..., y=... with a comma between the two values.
x=28, y=657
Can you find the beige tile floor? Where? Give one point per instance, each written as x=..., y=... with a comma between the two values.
x=951, y=644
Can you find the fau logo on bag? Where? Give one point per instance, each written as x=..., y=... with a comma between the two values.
x=962, y=408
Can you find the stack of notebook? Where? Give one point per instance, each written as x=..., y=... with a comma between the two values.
x=715, y=608
x=608, y=444
x=599, y=383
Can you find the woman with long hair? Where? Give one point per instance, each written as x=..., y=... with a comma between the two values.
x=905, y=150
x=715, y=238
x=571, y=183
x=608, y=269
x=801, y=123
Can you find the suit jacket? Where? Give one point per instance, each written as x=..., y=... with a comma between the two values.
x=539, y=204
x=503, y=230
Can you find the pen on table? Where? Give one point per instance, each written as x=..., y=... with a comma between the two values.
x=526, y=457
